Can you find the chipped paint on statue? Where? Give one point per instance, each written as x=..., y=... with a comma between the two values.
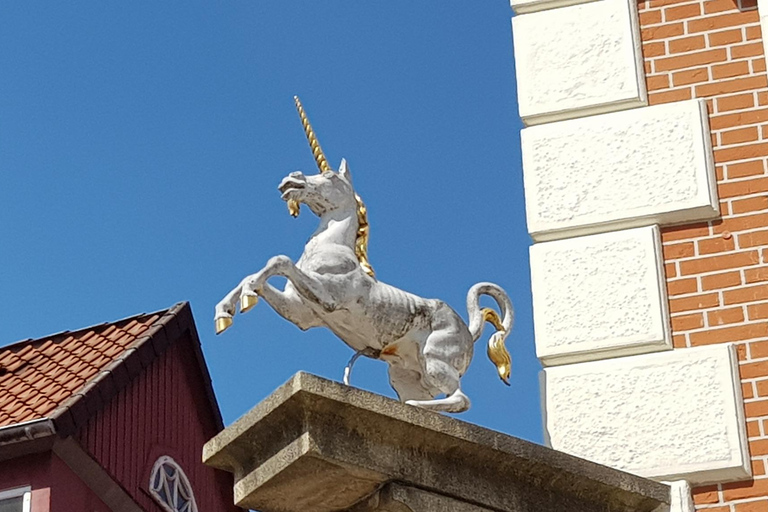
x=426, y=343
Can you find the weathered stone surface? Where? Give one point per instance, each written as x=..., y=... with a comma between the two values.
x=674, y=415
x=317, y=445
x=578, y=60
x=394, y=497
x=634, y=168
x=599, y=296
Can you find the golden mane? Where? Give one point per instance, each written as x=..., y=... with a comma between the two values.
x=361, y=242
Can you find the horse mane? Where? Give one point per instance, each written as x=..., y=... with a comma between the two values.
x=361, y=242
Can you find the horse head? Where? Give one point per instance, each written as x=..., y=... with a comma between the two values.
x=323, y=193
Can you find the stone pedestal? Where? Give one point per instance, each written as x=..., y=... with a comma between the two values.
x=315, y=445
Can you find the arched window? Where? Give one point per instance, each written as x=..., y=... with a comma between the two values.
x=170, y=487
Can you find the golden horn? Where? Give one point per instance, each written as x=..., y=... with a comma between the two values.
x=314, y=145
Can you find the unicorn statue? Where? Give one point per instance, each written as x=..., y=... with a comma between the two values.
x=426, y=344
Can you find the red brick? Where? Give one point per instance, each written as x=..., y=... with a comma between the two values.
x=687, y=44
x=705, y=495
x=708, y=300
x=679, y=250
x=658, y=98
x=756, y=275
x=690, y=76
x=726, y=334
x=754, y=32
x=746, y=50
x=758, y=469
x=740, y=136
x=678, y=341
x=684, y=232
x=758, y=65
x=662, y=31
x=682, y=286
x=725, y=37
x=722, y=262
x=759, y=350
x=720, y=281
x=655, y=49
x=753, y=427
x=753, y=239
x=725, y=316
x=730, y=70
x=746, y=294
x=747, y=392
x=691, y=60
x=715, y=245
x=669, y=270
x=736, y=102
x=742, y=490
x=743, y=169
x=757, y=311
x=751, y=204
x=738, y=119
x=711, y=23
x=741, y=223
x=650, y=17
x=681, y=12
x=752, y=371
x=687, y=322
x=758, y=447
x=744, y=187
x=749, y=83
x=712, y=6
x=656, y=82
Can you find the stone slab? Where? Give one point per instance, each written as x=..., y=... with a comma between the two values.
x=674, y=415
x=578, y=60
x=317, y=445
x=639, y=167
x=394, y=497
x=599, y=296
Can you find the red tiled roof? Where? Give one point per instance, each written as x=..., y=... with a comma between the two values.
x=38, y=376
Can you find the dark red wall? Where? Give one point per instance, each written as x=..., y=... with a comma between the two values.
x=164, y=411
x=55, y=488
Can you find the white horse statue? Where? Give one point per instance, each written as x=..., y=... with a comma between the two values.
x=426, y=343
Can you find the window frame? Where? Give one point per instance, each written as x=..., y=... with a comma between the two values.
x=183, y=480
x=26, y=496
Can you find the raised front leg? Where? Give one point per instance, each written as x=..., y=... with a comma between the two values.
x=287, y=303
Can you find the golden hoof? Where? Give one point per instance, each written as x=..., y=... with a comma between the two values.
x=222, y=324
x=247, y=302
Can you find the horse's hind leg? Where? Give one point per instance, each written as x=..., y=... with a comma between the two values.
x=455, y=400
x=441, y=349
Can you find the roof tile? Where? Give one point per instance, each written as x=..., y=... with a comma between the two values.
x=38, y=376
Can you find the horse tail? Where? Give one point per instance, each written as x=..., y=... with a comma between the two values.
x=497, y=351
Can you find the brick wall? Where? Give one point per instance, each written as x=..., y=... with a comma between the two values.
x=717, y=272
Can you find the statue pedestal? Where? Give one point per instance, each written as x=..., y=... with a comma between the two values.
x=315, y=445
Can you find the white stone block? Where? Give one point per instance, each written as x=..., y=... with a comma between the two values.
x=599, y=296
x=578, y=60
x=674, y=415
x=644, y=166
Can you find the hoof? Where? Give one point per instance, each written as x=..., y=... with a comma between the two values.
x=247, y=302
x=222, y=324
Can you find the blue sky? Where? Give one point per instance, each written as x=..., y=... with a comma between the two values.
x=141, y=145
